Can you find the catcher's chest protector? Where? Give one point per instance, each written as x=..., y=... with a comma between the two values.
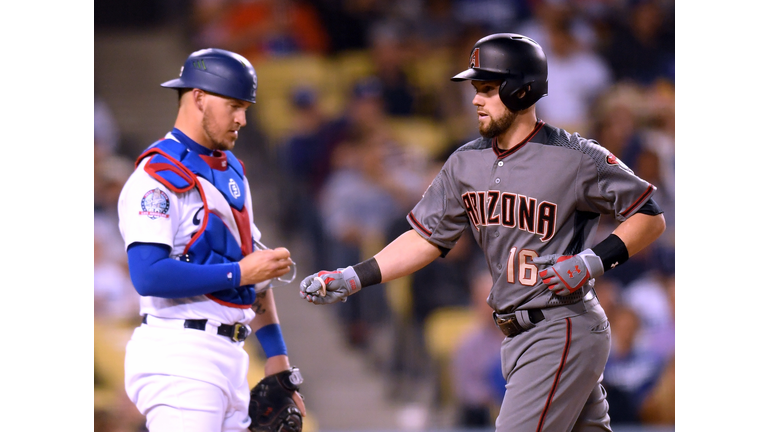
x=181, y=170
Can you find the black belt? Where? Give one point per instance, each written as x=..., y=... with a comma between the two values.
x=510, y=325
x=237, y=332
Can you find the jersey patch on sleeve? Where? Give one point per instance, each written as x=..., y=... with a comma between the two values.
x=155, y=204
x=613, y=160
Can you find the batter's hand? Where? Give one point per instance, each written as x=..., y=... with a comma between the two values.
x=262, y=265
x=330, y=287
x=568, y=273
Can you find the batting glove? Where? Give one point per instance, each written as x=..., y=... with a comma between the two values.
x=569, y=273
x=330, y=287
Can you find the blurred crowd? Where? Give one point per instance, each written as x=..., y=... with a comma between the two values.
x=347, y=177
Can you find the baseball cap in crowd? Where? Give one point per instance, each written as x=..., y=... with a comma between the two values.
x=303, y=97
x=369, y=87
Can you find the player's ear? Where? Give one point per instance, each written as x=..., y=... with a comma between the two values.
x=198, y=97
x=522, y=92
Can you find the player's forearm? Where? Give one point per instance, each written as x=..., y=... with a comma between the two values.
x=266, y=312
x=640, y=230
x=153, y=273
x=276, y=364
x=266, y=327
x=406, y=254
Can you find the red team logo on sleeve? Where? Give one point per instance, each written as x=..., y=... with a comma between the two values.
x=155, y=204
x=613, y=160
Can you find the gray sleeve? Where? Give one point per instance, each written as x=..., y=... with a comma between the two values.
x=440, y=216
x=606, y=185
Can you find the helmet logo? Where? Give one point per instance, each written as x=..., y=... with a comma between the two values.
x=474, y=59
x=199, y=64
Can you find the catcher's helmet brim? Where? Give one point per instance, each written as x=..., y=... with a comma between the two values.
x=478, y=75
x=174, y=83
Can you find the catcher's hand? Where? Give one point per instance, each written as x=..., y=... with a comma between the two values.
x=272, y=407
x=569, y=273
x=330, y=287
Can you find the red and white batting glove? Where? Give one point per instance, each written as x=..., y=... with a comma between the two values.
x=568, y=273
x=330, y=287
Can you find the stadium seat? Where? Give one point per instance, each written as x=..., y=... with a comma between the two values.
x=423, y=134
x=444, y=329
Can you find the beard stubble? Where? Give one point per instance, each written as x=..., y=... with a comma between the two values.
x=497, y=127
x=210, y=130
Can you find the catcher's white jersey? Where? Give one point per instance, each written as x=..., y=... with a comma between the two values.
x=150, y=213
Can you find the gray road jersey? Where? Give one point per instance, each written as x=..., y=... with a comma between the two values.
x=543, y=196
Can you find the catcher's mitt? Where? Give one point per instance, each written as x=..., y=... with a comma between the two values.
x=272, y=408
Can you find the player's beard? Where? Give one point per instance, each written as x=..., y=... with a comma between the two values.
x=214, y=134
x=497, y=127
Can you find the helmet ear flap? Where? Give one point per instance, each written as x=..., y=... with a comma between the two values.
x=534, y=90
x=508, y=94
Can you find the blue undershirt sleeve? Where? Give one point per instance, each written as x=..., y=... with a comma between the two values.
x=154, y=273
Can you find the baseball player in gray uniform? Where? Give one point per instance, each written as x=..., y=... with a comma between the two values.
x=532, y=195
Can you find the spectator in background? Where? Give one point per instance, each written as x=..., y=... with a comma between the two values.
x=441, y=283
x=305, y=159
x=636, y=124
x=260, y=28
x=616, y=116
x=106, y=132
x=577, y=76
x=436, y=27
x=389, y=55
x=348, y=21
x=642, y=47
x=652, y=299
x=552, y=14
x=630, y=372
x=496, y=16
x=656, y=152
x=454, y=103
x=115, y=299
x=609, y=292
x=659, y=407
x=478, y=383
x=373, y=181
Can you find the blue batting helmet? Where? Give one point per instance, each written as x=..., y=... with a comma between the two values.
x=217, y=71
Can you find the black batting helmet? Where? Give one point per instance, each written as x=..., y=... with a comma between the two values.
x=515, y=59
x=217, y=71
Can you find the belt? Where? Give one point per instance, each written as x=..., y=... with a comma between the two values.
x=236, y=332
x=517, y=322
x=514, y=323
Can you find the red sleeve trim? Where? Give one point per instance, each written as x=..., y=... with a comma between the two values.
x=642, y=198
x=228, y=304
x=418, y=225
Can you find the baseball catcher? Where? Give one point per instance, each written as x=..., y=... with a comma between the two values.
x=272, y=407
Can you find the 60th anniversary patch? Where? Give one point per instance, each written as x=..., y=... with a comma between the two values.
x=155, y=204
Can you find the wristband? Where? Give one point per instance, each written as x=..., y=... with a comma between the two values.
x=368, y=272
x=612, y=252
x=271, y=339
